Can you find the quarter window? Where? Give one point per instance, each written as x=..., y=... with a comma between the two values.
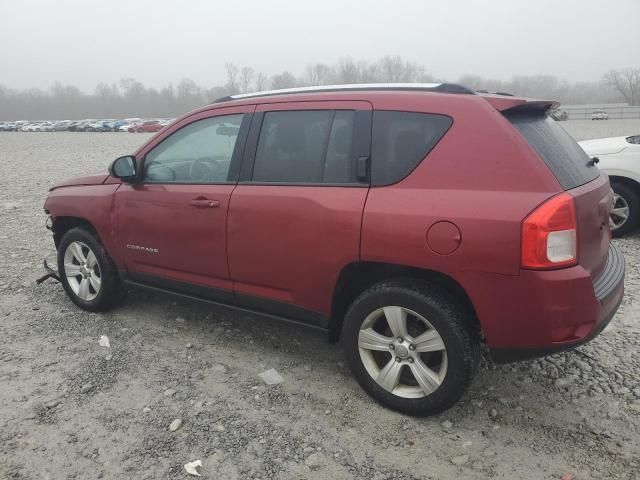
x=198, y=153
x=401, y=140
x=314, y=146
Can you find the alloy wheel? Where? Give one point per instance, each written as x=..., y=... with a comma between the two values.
x=619, y=213
x=402, y=352
x=82, y=271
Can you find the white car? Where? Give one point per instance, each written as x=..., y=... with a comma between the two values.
x=619, y=157
x=599, y=115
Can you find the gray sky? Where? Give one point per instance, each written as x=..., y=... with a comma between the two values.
x=159, y=41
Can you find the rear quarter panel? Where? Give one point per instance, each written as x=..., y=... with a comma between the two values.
x=482, y=176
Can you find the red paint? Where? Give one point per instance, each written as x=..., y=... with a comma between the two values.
x=290, y=243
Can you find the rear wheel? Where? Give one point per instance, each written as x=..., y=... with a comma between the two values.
x=625, y=214
x=410, y=346
x=87, y=272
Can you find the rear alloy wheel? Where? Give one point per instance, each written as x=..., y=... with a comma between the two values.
x=625, y=213
x=410, y=346
x=401, y=349
x=88, y=275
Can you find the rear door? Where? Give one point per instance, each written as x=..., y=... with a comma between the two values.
x=295, y=216
x=578, y=176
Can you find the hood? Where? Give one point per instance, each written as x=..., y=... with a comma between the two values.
x=97, y=179
x=604, y=146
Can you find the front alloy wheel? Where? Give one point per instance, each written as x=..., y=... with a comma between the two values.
x=82, y=271
x=88, y=274
x=624, y=216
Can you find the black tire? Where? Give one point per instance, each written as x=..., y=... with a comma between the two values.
x=110, y=291
x=633, y=201
x=446, y=315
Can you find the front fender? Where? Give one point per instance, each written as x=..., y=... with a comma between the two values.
x=93, y=204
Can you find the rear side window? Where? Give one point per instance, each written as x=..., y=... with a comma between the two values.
x=564, y=157
x=310, y=146
x=401, y=140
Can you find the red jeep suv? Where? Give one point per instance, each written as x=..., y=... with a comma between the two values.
x=412, y=222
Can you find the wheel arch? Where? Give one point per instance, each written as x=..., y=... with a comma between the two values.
x=630, y=182
x=356, y=277
x=63, y=224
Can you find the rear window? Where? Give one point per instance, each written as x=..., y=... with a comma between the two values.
x=564, y=157
x=400, y=141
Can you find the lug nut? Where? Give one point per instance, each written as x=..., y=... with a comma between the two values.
x=410, y=360
x=400, y=339
x=391, y=347
x=412, y=347
x=398, y=359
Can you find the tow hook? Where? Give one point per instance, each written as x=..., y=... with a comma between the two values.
x=51, y=273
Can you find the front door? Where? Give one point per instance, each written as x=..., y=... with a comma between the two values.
x=295, y=216
x=171, y=227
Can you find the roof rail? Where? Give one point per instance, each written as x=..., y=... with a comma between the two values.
x=420, y=87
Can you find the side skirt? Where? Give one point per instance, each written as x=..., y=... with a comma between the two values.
x=302, y=318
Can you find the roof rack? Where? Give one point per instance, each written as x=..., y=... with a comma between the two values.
x=420, y=87
x=504, y=94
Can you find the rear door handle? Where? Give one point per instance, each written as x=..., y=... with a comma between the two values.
x=204, y=203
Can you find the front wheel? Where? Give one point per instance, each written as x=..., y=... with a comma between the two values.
x=625, y=214
x=411, y=346
x=88, y=274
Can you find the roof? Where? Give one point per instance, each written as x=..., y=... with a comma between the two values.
x=419, y=87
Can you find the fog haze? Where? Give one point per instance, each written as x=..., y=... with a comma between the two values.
x=158, y=42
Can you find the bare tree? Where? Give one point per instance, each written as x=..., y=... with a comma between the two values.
x=246, y=77
x=232, y=77
x=347, y=71
x=131, y=98
x=317, y=74
x=261, y=81
x=283, y=80
x=626, y=82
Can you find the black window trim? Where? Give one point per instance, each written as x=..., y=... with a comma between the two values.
x=426, y=154
x=236, y=157
x=362, y=146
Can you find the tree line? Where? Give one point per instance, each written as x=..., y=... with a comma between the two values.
x=130, y=98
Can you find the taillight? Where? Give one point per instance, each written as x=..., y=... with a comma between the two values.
x=550, y=234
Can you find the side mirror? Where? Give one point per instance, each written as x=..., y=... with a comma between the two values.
x=124, y=168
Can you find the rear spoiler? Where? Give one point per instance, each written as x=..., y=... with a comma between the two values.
x=519, y=104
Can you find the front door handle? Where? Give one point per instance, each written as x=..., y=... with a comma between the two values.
x=201, y=202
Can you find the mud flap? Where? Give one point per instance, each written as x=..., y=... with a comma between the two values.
x=51, y=273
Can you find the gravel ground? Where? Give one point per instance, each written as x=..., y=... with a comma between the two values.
x=72, y=409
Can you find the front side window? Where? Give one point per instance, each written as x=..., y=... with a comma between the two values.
x=313, y=146
x=198, y=153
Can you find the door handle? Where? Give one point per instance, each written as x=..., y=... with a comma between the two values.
x=204, y=203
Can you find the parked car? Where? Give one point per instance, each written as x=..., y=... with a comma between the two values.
x=148, y=126
x=619, y=157
x=85, y=125
x=101, y=126
x=61, y=126
x=116, y=125
x=599, y=115
x=376, y=214
x=33, y=127
x=7, y=126
x=560, y=115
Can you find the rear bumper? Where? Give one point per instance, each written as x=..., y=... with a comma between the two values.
x=542, y=312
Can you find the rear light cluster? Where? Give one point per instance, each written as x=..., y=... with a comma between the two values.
x=550, y=235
